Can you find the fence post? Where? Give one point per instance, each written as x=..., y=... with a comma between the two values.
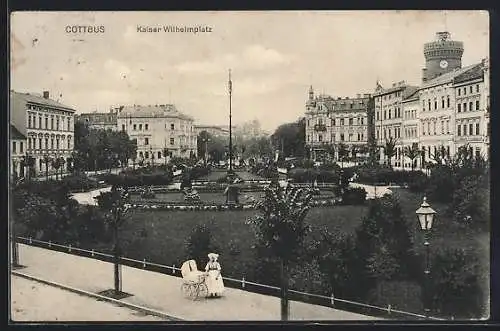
x=332, y=300
x=173, y=269
x=50, y=243
x=31, y=241
x=92, y=252
x=144, y=263
x=69, y=248
x=389, y=309
x=243, y=282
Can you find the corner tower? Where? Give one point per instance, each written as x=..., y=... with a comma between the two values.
x=441, y=56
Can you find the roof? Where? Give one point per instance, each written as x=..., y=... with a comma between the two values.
x=162, y=111
x=448, y=77
x=411, y=96
x=475, y=73
x=344, y=104
x=37, y=99
x=15, y=134
x=407, y=90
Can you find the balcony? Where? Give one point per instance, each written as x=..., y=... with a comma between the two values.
x=319, y=127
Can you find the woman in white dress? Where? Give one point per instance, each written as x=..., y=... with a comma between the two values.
x=214, y=280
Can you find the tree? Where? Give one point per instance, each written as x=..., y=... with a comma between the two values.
x=115, y=205
x=343, y=153
x=280, y=227
x=412, y=153
x=290, y=138
x=46, y=160
x=390, y=149
x=456, y=285
x=56, y=164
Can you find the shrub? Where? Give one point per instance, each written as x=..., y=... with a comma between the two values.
x=199, y=244
x=354, y=196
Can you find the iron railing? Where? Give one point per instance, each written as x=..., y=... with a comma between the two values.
x=244, y=284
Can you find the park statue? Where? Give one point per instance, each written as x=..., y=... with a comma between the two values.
x=232, y=192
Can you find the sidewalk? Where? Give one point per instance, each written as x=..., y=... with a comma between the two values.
x=162, y=292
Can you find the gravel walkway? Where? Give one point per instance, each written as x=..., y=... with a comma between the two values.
x=36, y=302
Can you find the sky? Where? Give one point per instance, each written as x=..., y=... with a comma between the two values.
x=274, y=58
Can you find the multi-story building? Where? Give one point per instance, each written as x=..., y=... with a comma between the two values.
x=47, y=124
x=331, y=122
x=17, y=151
x=157, y=129
x=410, y=132
x=389, y=118
x=472, y=109
x=100, y=120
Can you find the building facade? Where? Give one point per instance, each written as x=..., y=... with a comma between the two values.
x=97, y=120
x=18, y=146
x=411, y=131
x=331, y=122
x=389, y=119
x=472, y=109
x=159, y=129
x=441, y=56
x=48, y=126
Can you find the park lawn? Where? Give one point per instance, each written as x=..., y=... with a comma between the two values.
x=245, y=175
x=160, y=236
x=207, y=197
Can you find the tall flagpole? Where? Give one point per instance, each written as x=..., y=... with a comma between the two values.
x=230, y=125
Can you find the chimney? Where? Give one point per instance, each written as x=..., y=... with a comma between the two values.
x=45, y=94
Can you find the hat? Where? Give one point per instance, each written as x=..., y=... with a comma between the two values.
x=213, y=256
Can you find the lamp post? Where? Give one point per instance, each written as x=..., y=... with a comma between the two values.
x=230, y=87
x=425, y=215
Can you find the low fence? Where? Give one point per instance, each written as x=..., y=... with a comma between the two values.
x=242, y=284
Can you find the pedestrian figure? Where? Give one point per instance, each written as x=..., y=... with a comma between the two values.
x=214, y=280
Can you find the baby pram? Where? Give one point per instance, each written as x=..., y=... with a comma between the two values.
x=193, y=280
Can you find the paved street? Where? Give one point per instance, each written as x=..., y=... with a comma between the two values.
x=33, y=301
x=162, y=292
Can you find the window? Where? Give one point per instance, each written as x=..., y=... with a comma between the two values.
x=159, y=155
x=341, y=137
x=308, y=123
x=458, y=92
x=171, y=141
x=140, y=127
x=14, y=147
x=429, y=104
x=52, y=122
x=69, y=142
x=341, y=121
x=464, y=129
x=21, y=147
x=385, y=114
x=351, y=121
x=146, y=154
x=471, y=106
x=448, y=101
x=29, y=121
x=57, y=143
x=135, y=126
x=459, y=107
x=442, y=127
x=320, y=138
x=69, y=124
x=377, y=115
x=146, y=141
x=429, y=128
x=423, y=129
x=465, y=90
x=477, y=104
x=478, y=151
x=477, y=129
x=39, y=122
x=423, y=105
x=40, y=143
x=146, y=127
x=442, y=102
x=434, y=125
x=448, y=151
x=465, y=106
x=448, y=126
x=350, y=137
x=172, y=126
x=470, y=89
x=47, y=143
x=51, y=143
x=333, y=122
x=29, y=143
x=477, y=88
x=435, y=104
x=57, y=122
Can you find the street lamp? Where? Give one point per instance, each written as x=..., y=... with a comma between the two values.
x=425, y=215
